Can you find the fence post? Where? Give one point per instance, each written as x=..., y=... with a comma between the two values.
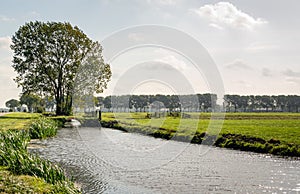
x=100, y=116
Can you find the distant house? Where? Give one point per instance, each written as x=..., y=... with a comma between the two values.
x=4, y=110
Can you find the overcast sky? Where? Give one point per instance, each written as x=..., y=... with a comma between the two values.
x=255, y=44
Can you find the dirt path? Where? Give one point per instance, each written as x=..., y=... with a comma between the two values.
x=3, y=113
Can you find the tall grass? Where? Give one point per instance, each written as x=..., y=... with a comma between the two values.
x=14, y=155
x=42, y=128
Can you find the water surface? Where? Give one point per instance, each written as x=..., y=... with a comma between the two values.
x=111, y=161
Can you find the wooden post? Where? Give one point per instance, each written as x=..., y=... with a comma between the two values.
x=100, y=116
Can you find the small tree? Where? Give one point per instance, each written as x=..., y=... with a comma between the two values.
x=12, y=104
x=33, y=102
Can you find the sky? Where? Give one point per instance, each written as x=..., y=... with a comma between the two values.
x=249, y=47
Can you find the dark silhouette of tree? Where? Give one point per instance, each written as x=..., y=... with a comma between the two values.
x=232, y=101
x=12, y=104
x=203, y=102
x=107, y=102
x=293, y=103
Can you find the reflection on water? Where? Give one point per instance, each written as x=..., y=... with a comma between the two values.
x=115, y=162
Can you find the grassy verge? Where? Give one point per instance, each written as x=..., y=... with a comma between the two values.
x=17, y=120
x=22, y=172
x=275, y=133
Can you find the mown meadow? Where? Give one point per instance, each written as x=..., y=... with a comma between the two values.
x=275, y=133
x=20, y=171
x=17, y=120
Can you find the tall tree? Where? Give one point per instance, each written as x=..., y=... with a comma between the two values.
x=48, y=58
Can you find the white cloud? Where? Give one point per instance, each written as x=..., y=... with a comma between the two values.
x=292, y=76
x=136, y=37
x=291, y=73
x=238, y=64
x=266, y=72
x=216, y=26
x=174, y=62
x=170, y=58
x=5, y=43
x=226, y=13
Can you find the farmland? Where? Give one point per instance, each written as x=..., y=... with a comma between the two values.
x=276, y=133
x=17, y=120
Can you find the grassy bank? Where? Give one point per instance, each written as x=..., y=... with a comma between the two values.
x=275, y=133
x=22, y=172
x=11, y=183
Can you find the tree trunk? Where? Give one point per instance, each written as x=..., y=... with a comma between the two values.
x=68, y=105
x=59, y=103
x=59, y=106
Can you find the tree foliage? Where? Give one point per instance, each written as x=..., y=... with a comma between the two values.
x=262, y=103
x=48, y=58
x=12, y=103
x=33, y=102
x=201, y=102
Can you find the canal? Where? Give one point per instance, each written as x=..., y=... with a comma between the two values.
x=111, y=161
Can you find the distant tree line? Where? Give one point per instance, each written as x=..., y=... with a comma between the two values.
x=170, y=103
x=159, y=102
x=264, y=103
x=200, y=102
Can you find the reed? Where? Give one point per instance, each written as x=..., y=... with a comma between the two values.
x=14, y=155
x=43, y=128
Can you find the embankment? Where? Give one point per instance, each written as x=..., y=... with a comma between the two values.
x=224, y=140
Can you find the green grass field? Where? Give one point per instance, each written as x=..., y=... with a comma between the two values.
x=282, y=126
x=259, y=129
x=17, y=120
